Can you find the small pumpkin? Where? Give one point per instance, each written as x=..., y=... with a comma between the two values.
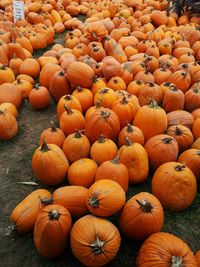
x=131, y=132
x=39, y=97
x=51, y=230
x=25, y=213
x=10, y=108
x=71, y=101
x=8, y=125
x=59, y=85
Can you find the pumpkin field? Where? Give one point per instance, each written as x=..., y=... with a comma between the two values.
x=99, y=134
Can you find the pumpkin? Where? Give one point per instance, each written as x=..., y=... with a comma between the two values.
x=82, y=172
x=111, y=67
x=71, y=120
x=141, y=216
x=196, y=144
x=131, y=132
x=192, y=98
x=10, y=108
x=149, y=92
x=70, y=101
x=94, y=241
x=191, y=158
x=47, y=71
x=196, y=128
x=80, y=74
x=103, y=149
x=8, y=125
x=85, y=96
x=180, y=117
x=181, y=79
x=106, y=96
x=167, y=250
x=49, y=164
x=59, y=85
x=52, y=135
x=174, y=185
x=116, y=83
x=24, y=86
x=96, y=31
x=51, y=230
x=159, y=18
x=135, y=157
x=103, y=122
x=25, y=213
x=182, y=135
x=196, y=113
x=30, y=67
x=151, y=119
x=160, y=149
x=105, y=198
x=39, y=97
x=14, y=65
x=72, y=197
x=76, y=146
x=114, y=170
x=10, y=93
x=197, y=257
x=173, y=99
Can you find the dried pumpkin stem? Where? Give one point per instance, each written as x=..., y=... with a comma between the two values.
x=116, y=160
x=68, y=109
x=53, y=127
x=68, y=97
x=129, y=128
x=178, y=131
x=105, y=114
x=167, y=140
x=97, y=246
x=54, y=215
x=177, y=261
x=93, y=201
x=145, y=205
x=44, y=147
x=46, y=201
x=128, y=142
x=180, y=167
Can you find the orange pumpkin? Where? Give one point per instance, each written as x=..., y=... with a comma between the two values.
x=53, y=223
x=131, y=132
x=8, y=125
x=94, y=241
x=39, y=97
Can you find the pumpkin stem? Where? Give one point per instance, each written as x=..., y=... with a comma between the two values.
x=177, y=261
x=167, y=140
x=37, y=86
x=98, y=104
x=68, y=97
x=129, y=128
x=61, y=73
x=179, y=168
x=128, y=142
x=44, y=147
x=95, y=78
x=53, y=127
x=104, y=90
x=10, y=229
x=46, y=201
x=153, y=104
x=79, y=89
x=78, y=134
x=178, y=131
x=101, y=139
x=93, y=201
x=1, y=112
x=68, y=109
x=124, y=101
x=116, y=160
x=105, y=114
x=145, y=206
x=97, y=246
x=173, y=88
x=54, y=215
x=115, y=81
x=3, y=67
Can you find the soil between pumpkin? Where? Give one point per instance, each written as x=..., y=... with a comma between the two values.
x=15, y=166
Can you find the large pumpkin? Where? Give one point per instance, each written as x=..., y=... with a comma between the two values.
x=51, y=230
x=141, y=216
x=174, y=185
x=25, y=213
x=105, y=198
x=94, y=241
x=164, y=249
x=49, y=164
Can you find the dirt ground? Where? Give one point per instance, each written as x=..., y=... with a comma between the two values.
x=15, y=166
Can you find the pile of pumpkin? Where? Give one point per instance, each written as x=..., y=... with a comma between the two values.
x=128, y=93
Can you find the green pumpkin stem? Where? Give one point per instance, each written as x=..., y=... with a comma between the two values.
x=97, y=246
x=94, y=201
x=177, y=261
x=145, y=206
x=54, y=215
x=44, y=147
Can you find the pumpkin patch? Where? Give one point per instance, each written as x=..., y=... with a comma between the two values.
x=99, y=133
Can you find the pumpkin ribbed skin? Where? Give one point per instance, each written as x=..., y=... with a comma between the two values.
x=51, y=230
x=174, y=185
x=25, y=213
x=159, y=248
x=72, y=197
x=10, y=93
x=105, y=198
x=141, y=216
x=94, y=241
x=49, y=164
x=8, y=126
x=80, y=74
